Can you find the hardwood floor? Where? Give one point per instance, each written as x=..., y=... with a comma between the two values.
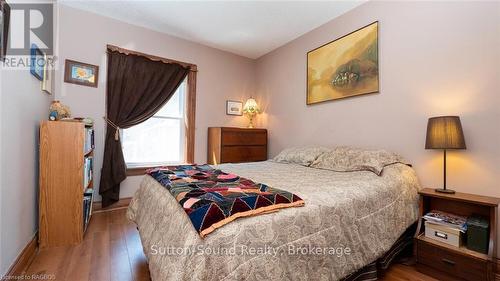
x=112, y=250
x=400, y=272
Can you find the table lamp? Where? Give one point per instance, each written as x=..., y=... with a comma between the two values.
x=444, y=132
x=251, y=109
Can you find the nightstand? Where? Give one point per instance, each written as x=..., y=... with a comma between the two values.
x=447, y=262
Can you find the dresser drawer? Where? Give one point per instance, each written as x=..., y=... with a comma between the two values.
x=236, y=145
x=236, y=154
x=250, y=137
x=448, y=262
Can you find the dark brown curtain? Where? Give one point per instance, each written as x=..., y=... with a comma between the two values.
x=137, y=88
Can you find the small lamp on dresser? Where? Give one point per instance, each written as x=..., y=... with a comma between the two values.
x=444, y=132
x=250, y=109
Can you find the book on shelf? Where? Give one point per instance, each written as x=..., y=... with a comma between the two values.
x=87, y=205
x=447, y=219
x=87, y=171
x=89, y=140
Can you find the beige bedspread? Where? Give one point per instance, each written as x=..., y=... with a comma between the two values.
x=349, y=220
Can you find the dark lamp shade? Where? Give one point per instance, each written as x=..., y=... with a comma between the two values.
x=444, y=132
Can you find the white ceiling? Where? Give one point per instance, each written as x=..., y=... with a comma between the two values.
x=246, y=28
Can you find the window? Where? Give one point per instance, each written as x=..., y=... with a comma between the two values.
x=161, y=139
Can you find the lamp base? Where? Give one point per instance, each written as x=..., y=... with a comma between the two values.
x=250, y=124
x=442, y=190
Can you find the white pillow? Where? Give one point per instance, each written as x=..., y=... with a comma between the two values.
x=300, y=155
x=350, y=159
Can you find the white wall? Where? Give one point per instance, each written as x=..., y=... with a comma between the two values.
x=221, y=75
x=436, y=58
x=23, y=105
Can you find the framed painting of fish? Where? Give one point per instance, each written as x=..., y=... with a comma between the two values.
x=345, y=67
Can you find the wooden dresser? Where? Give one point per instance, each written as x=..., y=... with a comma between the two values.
x=236, y=145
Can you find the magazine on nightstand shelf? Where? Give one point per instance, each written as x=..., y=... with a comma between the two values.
x=447, y=219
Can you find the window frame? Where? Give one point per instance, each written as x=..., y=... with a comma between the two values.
x=189, y=124
x=182, y=120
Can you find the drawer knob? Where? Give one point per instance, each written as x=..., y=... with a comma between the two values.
x=447, y=261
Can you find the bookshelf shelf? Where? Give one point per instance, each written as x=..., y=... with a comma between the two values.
x=66, y=184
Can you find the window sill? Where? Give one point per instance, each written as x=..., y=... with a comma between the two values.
x=137, y=171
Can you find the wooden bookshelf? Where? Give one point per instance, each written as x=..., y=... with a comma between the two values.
x=61, y=182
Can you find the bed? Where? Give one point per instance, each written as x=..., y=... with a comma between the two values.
x=349, y=220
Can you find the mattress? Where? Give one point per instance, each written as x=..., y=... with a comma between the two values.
x=349, y=220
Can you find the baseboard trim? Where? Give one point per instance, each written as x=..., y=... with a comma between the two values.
x=122, y=203
x=24, y=259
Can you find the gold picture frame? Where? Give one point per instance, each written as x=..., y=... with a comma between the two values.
x=48, y=75
x=345, y=67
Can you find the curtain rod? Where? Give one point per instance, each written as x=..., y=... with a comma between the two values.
x=192, y=67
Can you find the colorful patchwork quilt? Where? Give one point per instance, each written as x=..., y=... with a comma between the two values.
x=212, y=198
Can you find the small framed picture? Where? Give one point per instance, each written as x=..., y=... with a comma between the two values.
x=234, y=107
x=4, y=28
x=81, y=73
x=48, y=75
x=37, y=63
